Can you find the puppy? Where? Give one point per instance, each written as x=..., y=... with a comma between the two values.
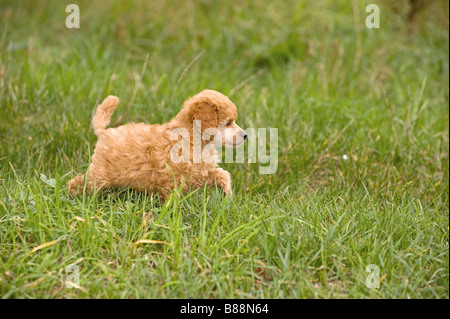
x=153, y=158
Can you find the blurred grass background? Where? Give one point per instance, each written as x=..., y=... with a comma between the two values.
x=311, y=69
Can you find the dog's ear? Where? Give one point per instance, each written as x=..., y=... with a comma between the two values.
x=205, y=113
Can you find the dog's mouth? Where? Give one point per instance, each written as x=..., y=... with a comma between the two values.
x=228, y=144
x=229, y=137
x=234, y=143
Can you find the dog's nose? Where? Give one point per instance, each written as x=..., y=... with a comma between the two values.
x=244, y=135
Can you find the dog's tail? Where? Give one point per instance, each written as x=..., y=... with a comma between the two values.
x=103, y=114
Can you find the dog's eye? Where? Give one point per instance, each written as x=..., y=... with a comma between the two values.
x=228, y=123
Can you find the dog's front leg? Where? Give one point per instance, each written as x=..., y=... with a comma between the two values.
x=221, y=178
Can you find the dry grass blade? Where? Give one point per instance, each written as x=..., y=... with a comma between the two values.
x=150, y=241
x=50, y=243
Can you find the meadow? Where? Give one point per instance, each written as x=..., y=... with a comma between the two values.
x=363, y=150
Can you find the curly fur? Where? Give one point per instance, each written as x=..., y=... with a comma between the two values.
x=138, y=155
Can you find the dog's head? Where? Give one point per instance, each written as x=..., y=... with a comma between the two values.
x=213, y=115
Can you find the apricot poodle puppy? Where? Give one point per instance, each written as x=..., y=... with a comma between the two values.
x=153, y=157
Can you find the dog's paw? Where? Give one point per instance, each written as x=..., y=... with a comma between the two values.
x=75, y=184
x=227, y=184
x=222, y=179
x=228, y=192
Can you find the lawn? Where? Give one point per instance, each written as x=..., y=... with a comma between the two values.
x=363, y=150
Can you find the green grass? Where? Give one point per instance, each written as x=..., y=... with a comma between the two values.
x=310, y=69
